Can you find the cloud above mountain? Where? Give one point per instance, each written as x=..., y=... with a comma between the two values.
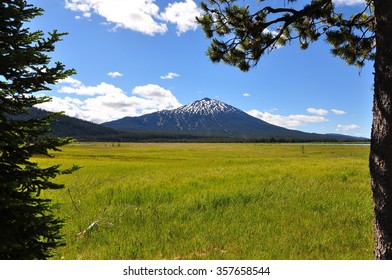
x=298, y=120
x=139, y=15
x=105, y=102
x=290, y=121
x=346, y=128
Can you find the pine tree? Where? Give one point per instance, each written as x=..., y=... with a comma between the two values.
x=241, y=36
x=29, y=230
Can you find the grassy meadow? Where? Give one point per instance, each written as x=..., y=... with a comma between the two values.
x=214, y=201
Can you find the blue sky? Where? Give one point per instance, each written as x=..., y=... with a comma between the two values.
x=139, y=56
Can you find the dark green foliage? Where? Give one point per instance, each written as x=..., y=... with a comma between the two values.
x=29, y=230
x=241, y=36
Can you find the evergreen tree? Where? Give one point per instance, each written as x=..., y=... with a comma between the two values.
x=241, y=36
x=29, y=230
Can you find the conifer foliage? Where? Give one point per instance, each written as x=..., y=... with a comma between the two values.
x=29, y=230
x=240, y=35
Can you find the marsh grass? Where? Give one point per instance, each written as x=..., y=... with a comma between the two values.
x=215, y=201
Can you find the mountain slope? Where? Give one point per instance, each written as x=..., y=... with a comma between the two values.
x=65, y=126
x=213, y=118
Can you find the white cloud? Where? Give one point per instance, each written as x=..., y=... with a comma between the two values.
x=73, y=82
x=346, y=128
x=170, y=75
x=139, y=15
x=319, y=112
x=106, y=102
x=289, y=121
x=76, y=87
x=81, y=6
x=183, y=14
x=115, y=74
x=348, y=2
x=338, y=112
x=162, y=98
x=246, y=94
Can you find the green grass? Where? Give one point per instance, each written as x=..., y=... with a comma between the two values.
x=215, y=201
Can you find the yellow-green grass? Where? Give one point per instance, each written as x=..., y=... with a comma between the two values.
x=215, y=201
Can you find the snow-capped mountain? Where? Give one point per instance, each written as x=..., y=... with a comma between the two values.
x=204, y=107
x=208, y=117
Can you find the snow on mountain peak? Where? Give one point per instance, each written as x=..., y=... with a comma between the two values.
x=205, y=106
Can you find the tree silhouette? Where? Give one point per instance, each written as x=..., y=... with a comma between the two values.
x=29, y=230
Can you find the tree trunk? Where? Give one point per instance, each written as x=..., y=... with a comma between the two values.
x=381, y=139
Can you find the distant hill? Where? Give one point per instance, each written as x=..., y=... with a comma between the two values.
x=81, y=130
x=85, y=131
x=215, y=119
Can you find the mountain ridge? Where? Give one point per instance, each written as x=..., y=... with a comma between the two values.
x=214, y=118
x=204, y=120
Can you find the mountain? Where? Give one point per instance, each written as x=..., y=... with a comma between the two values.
x=212, y=118
x=65, y=126
x=203, y=120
